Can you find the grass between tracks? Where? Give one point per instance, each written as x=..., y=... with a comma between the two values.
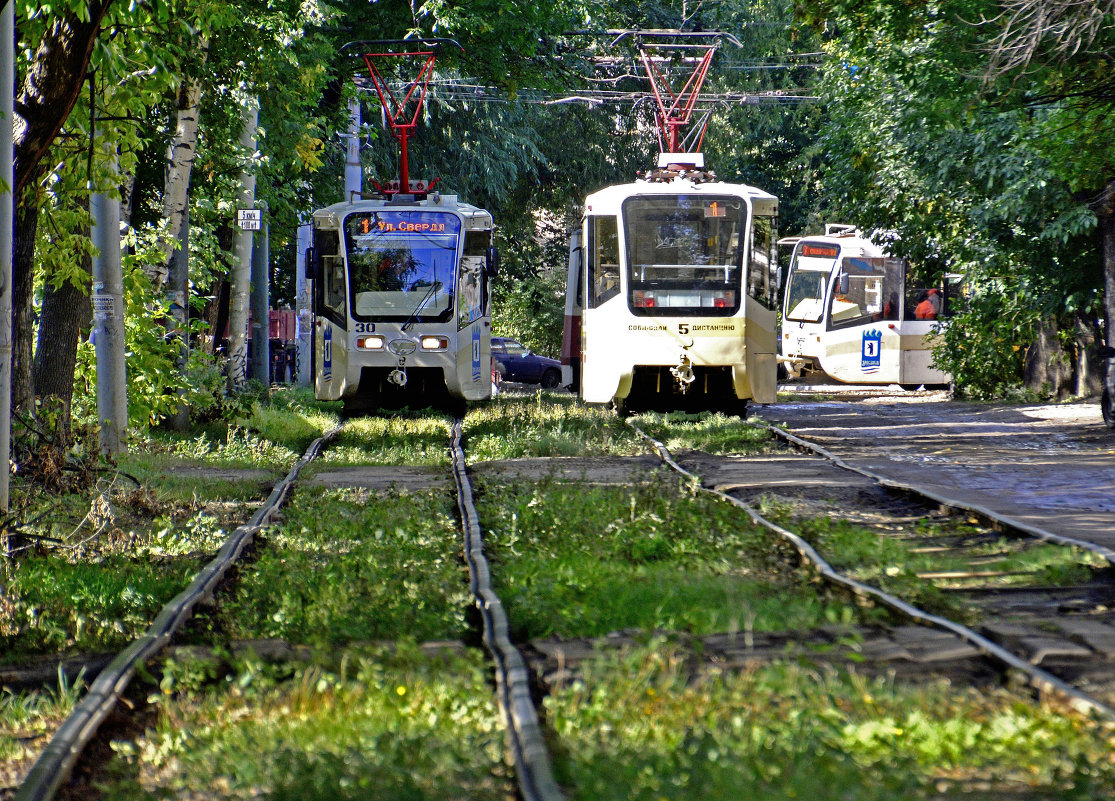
x=369, y=721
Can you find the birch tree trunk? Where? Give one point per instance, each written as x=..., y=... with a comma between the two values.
x=180, y=155
x=242, y=256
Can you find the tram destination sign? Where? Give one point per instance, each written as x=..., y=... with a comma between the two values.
x=249, y=219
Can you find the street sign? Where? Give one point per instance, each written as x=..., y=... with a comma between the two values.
x=249, y=219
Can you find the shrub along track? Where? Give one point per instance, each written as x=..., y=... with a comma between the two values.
x=108, y=692
x=1059, y=637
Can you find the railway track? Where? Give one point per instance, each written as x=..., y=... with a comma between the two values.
x=108, y=693
x=1058, y=638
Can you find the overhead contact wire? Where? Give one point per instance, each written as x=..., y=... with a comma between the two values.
x=527, y=746
x=57, y=760
x=1040, y=679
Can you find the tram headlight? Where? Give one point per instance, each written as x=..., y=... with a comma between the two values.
x=643, y=300
x=374, y=342
x=434, y=343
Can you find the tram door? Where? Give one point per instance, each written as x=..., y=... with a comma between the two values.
x=600, y=335
x=474, y=333
x=330, y=340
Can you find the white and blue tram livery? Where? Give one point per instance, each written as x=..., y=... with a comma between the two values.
x=855, y=314
x=672, y=281
x=401, y=302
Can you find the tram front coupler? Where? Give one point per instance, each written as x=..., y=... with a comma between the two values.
x=683, y=373
x=398, y=376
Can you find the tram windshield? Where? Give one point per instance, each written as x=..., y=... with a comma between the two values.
x=809, y=275
x=402, y=264
x=684, y=253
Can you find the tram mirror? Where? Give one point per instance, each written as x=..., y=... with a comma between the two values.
x=313, y=264
x=843, y=284
x=491, y=262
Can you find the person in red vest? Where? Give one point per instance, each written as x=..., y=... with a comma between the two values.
x=930, y=306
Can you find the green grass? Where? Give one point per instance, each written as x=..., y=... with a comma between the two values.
x=401, y=438
x=546, y=424
x=389, y=726
x=571, y=560
x=377, y=567
x=641, y=726
x=894, y=563
x=713, y=433
x=27, y=720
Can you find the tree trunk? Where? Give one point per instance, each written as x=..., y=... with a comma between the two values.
x=65, y=314
x=1048, y=369
x=180, y=154
x=1105, y=213
x=242, y=262
x=23, y=316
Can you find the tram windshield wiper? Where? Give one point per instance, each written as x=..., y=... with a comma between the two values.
x=431, y=292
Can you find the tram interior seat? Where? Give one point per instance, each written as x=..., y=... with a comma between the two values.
x=843, y=310
x=808, y=309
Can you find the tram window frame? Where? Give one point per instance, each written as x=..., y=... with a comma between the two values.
x=762, y=270
x=603, y=275
x=331, y=301
x=890, y=273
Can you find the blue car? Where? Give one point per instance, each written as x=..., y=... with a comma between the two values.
x=515, y=362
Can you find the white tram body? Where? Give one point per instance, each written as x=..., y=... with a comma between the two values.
x=853, y=313
x=401, y=302
x=670, y=300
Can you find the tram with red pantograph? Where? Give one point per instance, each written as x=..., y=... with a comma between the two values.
x=672, y=279
x=401, y=276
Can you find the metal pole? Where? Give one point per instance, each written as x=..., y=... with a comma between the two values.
x=7, y=214
x=261, y=303
x=302, y=302
x=108, y=320
x=353, y=172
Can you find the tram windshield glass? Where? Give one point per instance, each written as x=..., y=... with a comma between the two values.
x=809, y=276
x=684, y=253
x=402, y=264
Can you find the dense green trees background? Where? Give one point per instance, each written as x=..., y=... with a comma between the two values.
x=977, y=131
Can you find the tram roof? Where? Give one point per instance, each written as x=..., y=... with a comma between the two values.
x=447, y=203
x=613, y=196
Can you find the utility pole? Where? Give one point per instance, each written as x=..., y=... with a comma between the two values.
x=7, y=213
x=108, y=320
x=304, y=320
x=261, y=303
x=353, y=170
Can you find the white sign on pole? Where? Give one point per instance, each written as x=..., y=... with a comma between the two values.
x=249, y=219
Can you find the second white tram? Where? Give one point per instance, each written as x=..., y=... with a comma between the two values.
x=857, y=315
x=670, y=300
x=401, y=302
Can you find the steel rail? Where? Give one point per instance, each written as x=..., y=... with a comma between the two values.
x=60, y=755
x=1039, y=679
x=528, y=748
x=944, y=500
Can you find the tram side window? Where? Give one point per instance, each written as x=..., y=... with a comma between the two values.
x=331, y=293
x=603, y=261
x=763, y=264
x=867, y=290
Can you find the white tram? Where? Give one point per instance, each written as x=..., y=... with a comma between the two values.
x=401, y=302
x=855, y=314
x=671, y=287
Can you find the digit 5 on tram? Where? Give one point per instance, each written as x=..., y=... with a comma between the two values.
x=672, y=278
x=857, y=315
x=401, y=279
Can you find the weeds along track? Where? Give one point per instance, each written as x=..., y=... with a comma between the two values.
x=998, y=598
x=389, y=674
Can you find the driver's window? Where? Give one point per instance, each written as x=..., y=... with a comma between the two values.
x=515, y=349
